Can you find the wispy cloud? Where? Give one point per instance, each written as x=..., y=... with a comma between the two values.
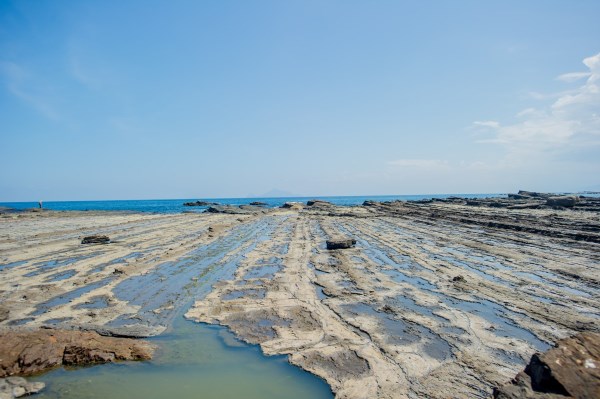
x=573, y=76
x=573, y=119
x=19, y=82
x=492, y=124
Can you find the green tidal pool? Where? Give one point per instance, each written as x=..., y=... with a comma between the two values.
x=194, y=361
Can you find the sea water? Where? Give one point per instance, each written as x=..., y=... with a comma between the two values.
x=176, y=205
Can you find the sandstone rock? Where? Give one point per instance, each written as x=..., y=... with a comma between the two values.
x=317, y=202
x=28, y=352
x=370, y=203
x=571, y=369
x=3, y=313
x=341, y=243
x=16, y=387
x=95, y=239
x=293, y=205
x=524, y=206
x=533, y=194
x=235, y=210
x=567, y=201
x=518, y=196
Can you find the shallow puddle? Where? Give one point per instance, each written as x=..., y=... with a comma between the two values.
x=194, y=361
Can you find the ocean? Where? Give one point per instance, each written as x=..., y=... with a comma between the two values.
x=176, y=205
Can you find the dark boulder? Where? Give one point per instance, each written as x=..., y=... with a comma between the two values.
x=518, y=196
x=316, y=202
x=199, y=203
x=370, y=203
x=571, y=369
x=258, y=203
x=567, y=201
x=341, y=244
x=292, y=205
x=95, y=239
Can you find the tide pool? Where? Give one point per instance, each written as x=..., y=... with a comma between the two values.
x=193, y=361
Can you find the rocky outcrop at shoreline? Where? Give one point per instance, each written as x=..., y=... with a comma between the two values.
x=200, y=203
x=26, y=352
x=571, y=369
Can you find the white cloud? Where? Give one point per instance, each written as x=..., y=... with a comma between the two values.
x=572, y=120
x=490, y=124
x=572, y=76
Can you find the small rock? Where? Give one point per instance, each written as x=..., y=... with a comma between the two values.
x=292, y=205
x=95, y=239
x=258, y=203
x=16, y=387
x=318, y=203
x=341, y=244
x=567, y=201
x=459, y=279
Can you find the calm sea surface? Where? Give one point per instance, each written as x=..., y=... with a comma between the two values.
x=176, y=205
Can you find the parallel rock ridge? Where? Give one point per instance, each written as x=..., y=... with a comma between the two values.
x=437, y=299
x=571, y=369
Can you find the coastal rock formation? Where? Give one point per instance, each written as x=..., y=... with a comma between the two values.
x=235, y=210
x=200, y=203
x=28, y=352
x=567, y=201
x=16, y=387
x=341, y=243
x=571, y=369
x=258, y=203
x=292, y=205
x=96, y=239
x=319, y=203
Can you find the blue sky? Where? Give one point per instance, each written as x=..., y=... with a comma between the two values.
x=184, y=99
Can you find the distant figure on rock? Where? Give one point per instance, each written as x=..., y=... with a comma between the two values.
x=40, y=204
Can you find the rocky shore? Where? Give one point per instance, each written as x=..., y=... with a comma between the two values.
x=437, y=298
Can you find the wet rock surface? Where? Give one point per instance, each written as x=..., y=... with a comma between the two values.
x=26, y=352
x=16, y=387
x=571, y=369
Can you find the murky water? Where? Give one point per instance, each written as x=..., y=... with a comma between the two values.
x=195, y=361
